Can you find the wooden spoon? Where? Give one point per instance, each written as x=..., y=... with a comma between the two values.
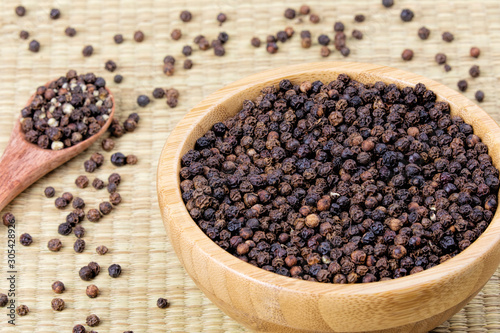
x=23, y=163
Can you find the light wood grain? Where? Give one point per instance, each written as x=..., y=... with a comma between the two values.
x=23, y=163
x=269, y=302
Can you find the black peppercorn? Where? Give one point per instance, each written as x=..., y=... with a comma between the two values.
x=55, y=13
x=407, y=15
x=54, y=245
x=58, y=287
x=139, y=36
x=290, y=13
x=92, y=320
x=118, y=159
x=162, y=303
x=142, y=100
x=57, y=304
x=118, y=38
x=92, y=291
x=20, y=11
x=118, y=78
x=474, y=71
x=479, y=96
x=49, y=192
x=114, y=270
x=88, y=50
x=86, y=273
x=70, y=32
x=462, y=85
x=34, y=46
x=186, y=16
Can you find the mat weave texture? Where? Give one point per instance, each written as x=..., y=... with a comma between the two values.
x=134, y=231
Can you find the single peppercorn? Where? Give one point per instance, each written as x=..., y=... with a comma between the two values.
x=188, y=64
x=93, y=215
x=118, y=78
x=314, y=18
x=221, y=18
x=57, y=304
x=61, y=203
x=142, y=100
x=118, y=159
x=338, y=27
x=65, y=229
x=139, y=36
x=131, y=159
x=407, y=15
x=114, y=270
x=20, y=11
x=290, y=13
x=86, y=273
x=176, y=34
x=88, y=50
x=255, y=41
x=58, y=287
x=357, y=34
x=108, y=144
x=54, y=245
x=323, y=40
x=448, y=37
x=101, y=250
x=4, y=300
x=304, y=10
x=55, y=13
x=49, y=192
x=162, y=303
x=387, y=3
x=424, y=33
x=462, y=85
x=223, y=37
x=97, y=184
x=93, y=320
x=115, y=198
x=79, y=245
x=185, y=16
x=272, y=48
x=79, y=329
x=359, y=18
x=110, y=66
x=325, y=51
x=115, y=178
x=95, y=267
x=479, y=95
x=105, y=208
x=23, y=34
x=22, y=310
x=79, y=232
x=158, y=93
x=82, y=181
x=407, y=55
x=447, y=68
x=475, y=52
x=89, y=166
x=474, y=71
x=92, y=291
x=118, y=38
x=440, y=58
x=34, y=46
x=70, y=32
x=111, y=188
x=26, y=239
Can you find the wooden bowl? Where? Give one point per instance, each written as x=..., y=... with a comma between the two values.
x=268, y=302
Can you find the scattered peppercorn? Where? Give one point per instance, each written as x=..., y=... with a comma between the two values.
x=162, y=303
x=23, y=34
x=101, y=250
x=188, y=64
x=92, y=320
x=407, y=55
x=357, y=34
x=61, y=203
x=58, y=287
x=440, y=58
x=325, y=51
x=86, y=273
x=79, y=232
x=95, y=268
x=159, y=93
x=55, y=13
x=314, y=18
x=255, y=41
x=176, y=34
x=479, y=95
x=8, y=219
x=93, y=215
x=359, y=18
x=111, y=188
x=114, y=270
x=54, y=245
x=57, y=304
x=82, y=181
x=118, y=159
x=142, y=100
x=4, y=300
x=70, y=32
x=88, y=50
x=65, y=229
x=475, y=52
x=34, y=46
x=221, y=18
x=186, y=16
x=387, y=3
x=447, y=68
x=92, y=291
x=424, y=33
x=304, y=10
x=139, y=36
x=108, y=144
x=22, y=310
x=20, y=11
x=25, y=239
x=131, y=159
x=290, y=13
x=79, y=245
x=105, y=208
x=272, y=48
x=118, y=38
x=79, y=329
x=118, y=78
x=474, y=71
x=115, y=198
x=49, y=192
x=110, y=66
x=90, y=166
x=338, y=27
x=407, y=15
x=306, y=42
x=462, y=85
x=447, y=37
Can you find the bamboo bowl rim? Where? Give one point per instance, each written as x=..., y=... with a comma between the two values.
x=171, y=203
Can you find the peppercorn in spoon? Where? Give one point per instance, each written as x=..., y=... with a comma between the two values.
x=61, y=120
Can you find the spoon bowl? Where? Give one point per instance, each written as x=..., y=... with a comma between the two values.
x=268, y=302
x=23, y=163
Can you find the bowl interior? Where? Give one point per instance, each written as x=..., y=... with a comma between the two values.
x=481, y=256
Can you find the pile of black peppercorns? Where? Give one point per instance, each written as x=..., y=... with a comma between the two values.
x=66, y=112
x=341, y=182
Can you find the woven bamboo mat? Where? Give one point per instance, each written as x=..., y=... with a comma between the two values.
x=134, y=232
